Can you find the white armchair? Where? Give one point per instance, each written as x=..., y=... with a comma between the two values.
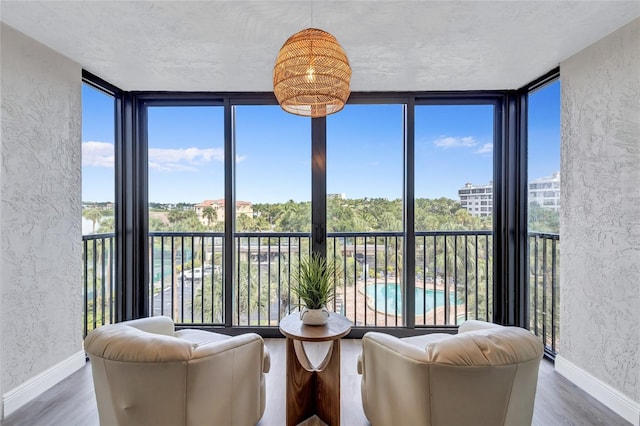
x=146, y=373
x=484, y=375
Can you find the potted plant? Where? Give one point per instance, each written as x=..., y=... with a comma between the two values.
x=314, y=281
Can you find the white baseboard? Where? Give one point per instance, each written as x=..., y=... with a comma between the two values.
x=621, y=404
x=27, y=391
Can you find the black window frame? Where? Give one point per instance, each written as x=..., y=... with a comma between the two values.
x=510, y=297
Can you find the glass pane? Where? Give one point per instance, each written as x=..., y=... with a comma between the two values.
x=544, y=159
x=98, y=203
x=544, y=213
x=273, y=189
x=98, y=161
x=453, y=212
x=364, y=210
x=186, y=212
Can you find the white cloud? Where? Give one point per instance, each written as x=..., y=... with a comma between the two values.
x=487, y=147
x=101, y=154
x=171, y=167
x=194, y=156
x=183, y=159
x=455, y=142
x=98, y=154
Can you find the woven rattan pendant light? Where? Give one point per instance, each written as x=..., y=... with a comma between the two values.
x=312, y=74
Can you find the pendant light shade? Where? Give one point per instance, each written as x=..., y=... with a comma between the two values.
x=312, y=74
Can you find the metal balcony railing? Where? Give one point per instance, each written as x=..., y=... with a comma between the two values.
x=544, y=298
x=454, y=278
x=98, y=277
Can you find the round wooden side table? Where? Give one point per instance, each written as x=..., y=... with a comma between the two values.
x=313, y=390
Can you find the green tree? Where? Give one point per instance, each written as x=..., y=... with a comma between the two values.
x=94, y=216
x=295, y=217
x=249, y=297
x=270, y=213
x=210, y=214
x=210, y=305
x=156, y=224
x=342, y=217
x=107, y=224
x=176, y=216
x=543, y=219
x=245, y=223
x=184, y=221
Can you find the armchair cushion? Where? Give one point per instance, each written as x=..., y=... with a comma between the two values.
x=485, y=347
x=425, y=339
x=199, y=337
x=130, y=344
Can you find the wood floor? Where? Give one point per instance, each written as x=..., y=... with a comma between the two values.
x=70, y=403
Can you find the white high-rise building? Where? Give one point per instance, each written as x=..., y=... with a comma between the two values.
x=545, y=191
x=477, y=199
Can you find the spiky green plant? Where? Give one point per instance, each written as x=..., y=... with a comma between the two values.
x=314, y=280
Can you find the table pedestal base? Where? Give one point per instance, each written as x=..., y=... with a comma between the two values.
x=313, y=390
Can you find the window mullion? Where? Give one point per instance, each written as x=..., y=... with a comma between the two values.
x=409, y=215
x=319, y=185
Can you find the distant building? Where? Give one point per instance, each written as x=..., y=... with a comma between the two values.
x=88, y=205
x=545, y=192
x=242, y=208
x=477, y=199
x=171, y=206
x=341, y=196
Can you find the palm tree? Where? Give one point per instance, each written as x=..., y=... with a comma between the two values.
x=94, y=216
x=209, y=214
x=107, y=224
x=245, y=223
x=248, y=298
x=212, y=307
x=270, y=213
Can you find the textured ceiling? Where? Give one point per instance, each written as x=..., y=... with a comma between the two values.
x=392, y=45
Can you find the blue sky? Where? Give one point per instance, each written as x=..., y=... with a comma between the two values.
x=453, y=145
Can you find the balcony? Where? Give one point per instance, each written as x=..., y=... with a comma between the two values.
x=453, y=280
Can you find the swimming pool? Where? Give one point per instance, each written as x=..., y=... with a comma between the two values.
x=386, y=295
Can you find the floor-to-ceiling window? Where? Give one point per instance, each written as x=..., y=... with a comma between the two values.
x=230, y=192
x=365, y=146
x=98, y=204
x=273, y=210
x=544, y=204
x=185, y=159
x=454, y=189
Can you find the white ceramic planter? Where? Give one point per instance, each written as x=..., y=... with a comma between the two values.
x=314, y=316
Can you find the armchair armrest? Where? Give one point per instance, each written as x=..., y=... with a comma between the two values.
x=392, y=346
x=234, y=342
x=227, y=381
x=391, y=366
x=266, y=361
x=218, y=347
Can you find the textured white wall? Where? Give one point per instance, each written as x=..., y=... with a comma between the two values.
x=600, y=217
x=40, y=269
